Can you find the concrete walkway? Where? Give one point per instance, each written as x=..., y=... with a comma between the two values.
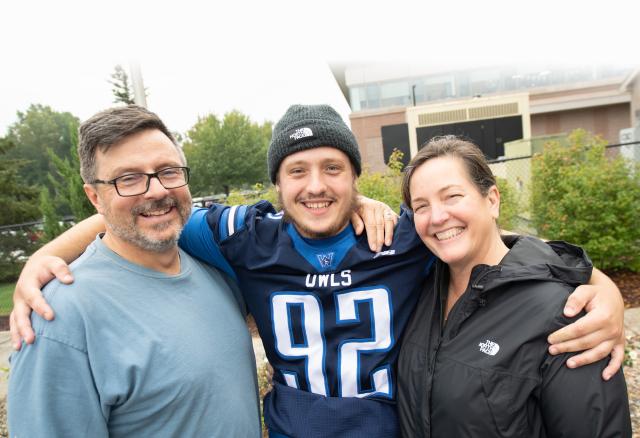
x=632, y=322
x=5, y=351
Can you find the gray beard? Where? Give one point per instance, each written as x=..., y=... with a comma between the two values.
x=130, y=233
x=133, y=236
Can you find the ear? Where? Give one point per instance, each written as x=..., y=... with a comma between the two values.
x=493, y=198
x=277, y=187
x=92, y=194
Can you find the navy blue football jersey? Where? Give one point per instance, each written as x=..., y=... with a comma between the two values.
x=329, y=311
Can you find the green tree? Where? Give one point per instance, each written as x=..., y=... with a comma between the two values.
x=228, y=153
x=68, y=184
x=18, y=200
x=19, y=205
x=121, y=90
x=68, y=192
x=38, y=129
x=52, y=222
x=581, y=195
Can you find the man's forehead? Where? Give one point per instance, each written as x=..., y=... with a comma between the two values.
x=149, y=148
x=317, y=154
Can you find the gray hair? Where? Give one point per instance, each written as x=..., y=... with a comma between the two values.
x=110, y=127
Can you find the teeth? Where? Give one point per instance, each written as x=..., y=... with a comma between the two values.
x=317, y=204
x=156, y=213
x=450, y=233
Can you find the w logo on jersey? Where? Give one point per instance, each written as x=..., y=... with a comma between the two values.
x=325, y=259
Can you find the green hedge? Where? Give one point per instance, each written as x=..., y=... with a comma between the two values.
x=15, y=247
x=581, y=195
x=384, y=186
x=509, y=205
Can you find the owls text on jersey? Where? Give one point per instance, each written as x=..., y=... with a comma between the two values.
x=329, y=311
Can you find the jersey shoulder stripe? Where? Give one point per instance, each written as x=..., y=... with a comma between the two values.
x=197, y=240
x=232, y=219
x=227, y=221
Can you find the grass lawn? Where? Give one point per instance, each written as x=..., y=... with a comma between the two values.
x=6, y=293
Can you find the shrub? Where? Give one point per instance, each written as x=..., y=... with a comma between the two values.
x=248, y=197
x=581, y=196
x=509, y=205
x=384, y=186
x=15, y=247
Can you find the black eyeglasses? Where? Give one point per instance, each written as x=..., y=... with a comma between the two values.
x=134, y=184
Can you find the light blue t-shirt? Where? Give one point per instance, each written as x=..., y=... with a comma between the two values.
x=134, y=353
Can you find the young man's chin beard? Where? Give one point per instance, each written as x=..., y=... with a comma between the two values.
x=333, y=230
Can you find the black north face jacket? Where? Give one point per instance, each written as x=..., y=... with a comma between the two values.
x=487, y=372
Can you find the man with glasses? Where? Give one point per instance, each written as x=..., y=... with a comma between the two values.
x=125, y=356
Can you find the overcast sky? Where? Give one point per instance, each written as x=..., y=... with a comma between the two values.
x=261, y=56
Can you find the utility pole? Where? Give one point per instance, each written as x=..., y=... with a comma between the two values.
x=139, y=94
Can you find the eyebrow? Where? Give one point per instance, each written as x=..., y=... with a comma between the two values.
x=450, y=186
x=118, y=171
x=296, y=163
x=324, y=161
x=443, y=189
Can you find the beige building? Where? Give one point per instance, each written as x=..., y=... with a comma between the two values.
x=404, y=106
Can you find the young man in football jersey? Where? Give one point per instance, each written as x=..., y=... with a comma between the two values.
x=330, y=311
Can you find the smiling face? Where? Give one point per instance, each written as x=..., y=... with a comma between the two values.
x=453, y=219
x=316, y=190
x=151, y=221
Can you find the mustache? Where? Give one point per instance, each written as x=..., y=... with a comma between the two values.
x=157, y=204
x=320, y=197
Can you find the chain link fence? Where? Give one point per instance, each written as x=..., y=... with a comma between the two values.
x=517, y=171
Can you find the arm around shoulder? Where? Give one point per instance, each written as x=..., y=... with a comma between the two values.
x=70, y=244
x=44, y=265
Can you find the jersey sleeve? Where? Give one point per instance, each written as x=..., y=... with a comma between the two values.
x=208, y=228
x=52, y=392
x=205, y=229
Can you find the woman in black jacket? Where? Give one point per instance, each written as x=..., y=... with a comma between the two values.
x=474, y=360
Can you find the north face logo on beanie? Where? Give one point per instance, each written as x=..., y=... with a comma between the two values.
x=301, y=133
x=310, y=126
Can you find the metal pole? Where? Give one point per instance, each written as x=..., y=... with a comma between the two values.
x=139, y=94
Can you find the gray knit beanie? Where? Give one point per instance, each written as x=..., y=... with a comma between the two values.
x=310, y=126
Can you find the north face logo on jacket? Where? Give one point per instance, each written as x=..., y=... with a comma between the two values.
x=489, y=347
